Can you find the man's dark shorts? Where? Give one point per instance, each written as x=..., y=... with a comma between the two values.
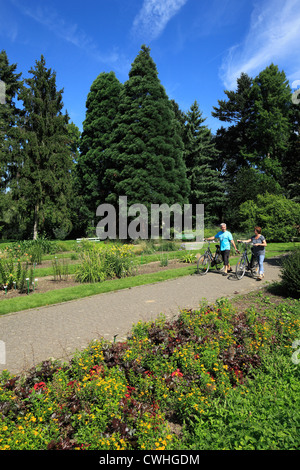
x=225, y=256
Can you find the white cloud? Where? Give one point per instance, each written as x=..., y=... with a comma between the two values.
x=154, y=16
x=273, y=36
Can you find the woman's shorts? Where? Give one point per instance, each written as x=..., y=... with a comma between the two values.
x=225, y=256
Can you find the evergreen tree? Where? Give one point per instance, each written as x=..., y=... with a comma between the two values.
x=205, y=182
x=179, y=116
x=10, y=85
x=272, y=108
x=291, y=163
x=101, y=109
x=235, y=142
x=43, y=184
x=147, y=150
x=255, y=143
x=259, y=117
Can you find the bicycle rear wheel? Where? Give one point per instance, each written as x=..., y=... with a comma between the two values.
x=203, y=264
x=240, y=268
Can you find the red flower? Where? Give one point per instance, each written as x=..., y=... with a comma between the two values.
x=40, y=386
x=96, y=370
x=71, y=384
x=177, y=373
x=148, y=372
x=129, y=390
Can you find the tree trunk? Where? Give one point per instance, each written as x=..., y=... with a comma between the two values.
x=35, y=225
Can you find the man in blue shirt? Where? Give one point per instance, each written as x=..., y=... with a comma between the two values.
x=226, y=239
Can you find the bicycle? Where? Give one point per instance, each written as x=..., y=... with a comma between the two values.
x=245, y=264
x=207, y=260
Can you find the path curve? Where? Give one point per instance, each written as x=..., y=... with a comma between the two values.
x=57, y=331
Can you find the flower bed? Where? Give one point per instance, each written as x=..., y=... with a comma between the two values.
x=171, y=385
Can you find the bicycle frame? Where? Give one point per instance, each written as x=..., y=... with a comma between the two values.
x=208, y=259
x=244, y=263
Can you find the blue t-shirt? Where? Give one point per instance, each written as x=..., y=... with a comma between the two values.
x=224, y=238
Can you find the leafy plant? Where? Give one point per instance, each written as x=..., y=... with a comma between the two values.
x=98, y=263
x=290, y=273
x=60, y=269
x=16, y=274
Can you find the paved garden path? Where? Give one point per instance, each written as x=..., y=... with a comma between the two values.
x=32, y=336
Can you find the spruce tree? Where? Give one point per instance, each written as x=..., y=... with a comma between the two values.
x=43, y=186
x=200, y=152
x=10, y=85
x=101, y=109
x=147, y=150
x=9, y=112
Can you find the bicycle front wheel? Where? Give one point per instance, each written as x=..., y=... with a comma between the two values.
x=203, y=264
x=240, y=268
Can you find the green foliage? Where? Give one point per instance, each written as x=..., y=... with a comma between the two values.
x=136, y=142
x=276, y=214
x=101, y=109
x=16, y=274
x=262, y=133
x=34, y=248
x=18, y=261
x=290, y=273
x=147, y=149
x=98, y=263
x=199, y=154
x=60, y=269
x=42, y=180
x=272, y=104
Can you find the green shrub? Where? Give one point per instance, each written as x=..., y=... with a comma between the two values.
x=34, y=248
x=290, y=273
x=278, y=216
x=100, y=262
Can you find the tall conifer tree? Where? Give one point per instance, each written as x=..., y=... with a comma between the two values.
x=147, y=150
x=10, y=85
x=205, y=182
x=43, y=185
x=101, y=109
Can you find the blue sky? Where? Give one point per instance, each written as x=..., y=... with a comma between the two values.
x=200, y=47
